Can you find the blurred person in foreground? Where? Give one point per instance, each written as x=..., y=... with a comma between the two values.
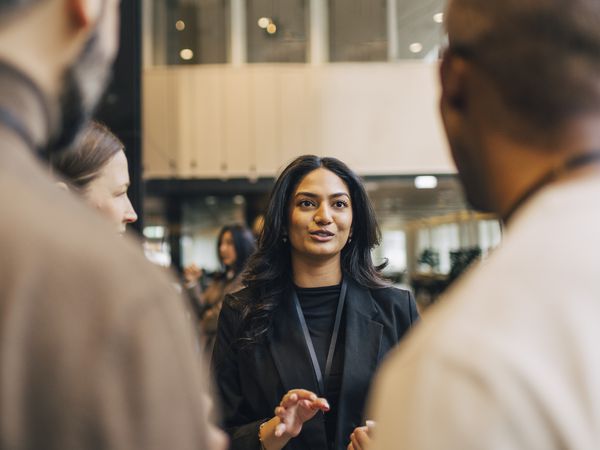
x=297, y=348
x=95, y=349
x=235, y=244
x=509, y=359
x=96, y=168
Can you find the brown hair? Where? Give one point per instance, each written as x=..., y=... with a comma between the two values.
x=543, y=56
x=81, y=164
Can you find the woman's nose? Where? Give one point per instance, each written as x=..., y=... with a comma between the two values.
x=323, y=216
x=130, y=215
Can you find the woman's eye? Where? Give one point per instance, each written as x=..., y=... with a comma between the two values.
x=340, y=204
x=305, y=203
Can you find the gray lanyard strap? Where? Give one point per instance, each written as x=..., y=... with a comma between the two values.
x=332, y=343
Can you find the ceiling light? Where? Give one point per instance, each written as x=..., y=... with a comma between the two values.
x=186, y=54
x=180, y=25
x=415, y=47
x=438, y=18
x=426, y=182
x=272, y=28
x=264, y=22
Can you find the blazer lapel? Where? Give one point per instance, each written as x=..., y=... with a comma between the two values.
x=292, y=360
x=361, y=356
x=288, y=349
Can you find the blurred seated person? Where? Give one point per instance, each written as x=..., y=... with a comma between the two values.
x=234, y=245
x=96, y=168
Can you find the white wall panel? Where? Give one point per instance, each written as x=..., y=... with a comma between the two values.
x=266, y=119
x=161, y=134
x=238, y=130
x=296, y=109
x=207, y=125
x=221, y=121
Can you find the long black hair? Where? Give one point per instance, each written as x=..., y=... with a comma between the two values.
x=244, y=244
x=269, y=272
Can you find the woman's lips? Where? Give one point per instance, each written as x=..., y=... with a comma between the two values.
x=322, y=235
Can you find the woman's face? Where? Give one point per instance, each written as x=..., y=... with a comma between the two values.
x=227, y=249
x=320, y=218
x=108, y=192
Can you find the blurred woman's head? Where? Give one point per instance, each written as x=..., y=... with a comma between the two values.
x=96, y=167
x=235, y=244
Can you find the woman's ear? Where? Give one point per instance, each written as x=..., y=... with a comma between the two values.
x=84, y=12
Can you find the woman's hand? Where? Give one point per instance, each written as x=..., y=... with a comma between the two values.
x=192, y=274
x=360, y=439
x=296, y=407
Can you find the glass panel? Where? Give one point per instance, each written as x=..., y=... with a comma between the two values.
x=420, y=29
x=202, y=220
x=190, y=31
x=276, y=30
x=358, y=30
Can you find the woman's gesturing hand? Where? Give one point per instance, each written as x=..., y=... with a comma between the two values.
x=296, y=407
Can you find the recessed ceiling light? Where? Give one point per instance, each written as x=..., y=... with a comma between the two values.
x=438, y=18
x=264, y=22
x=271, y=28
x=180, y=25
x=426, y=182
x=415, y=47
x=186, y=54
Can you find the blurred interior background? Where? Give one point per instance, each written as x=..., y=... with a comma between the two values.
x=233, y=90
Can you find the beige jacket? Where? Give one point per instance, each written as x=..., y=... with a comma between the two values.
x=95, y=348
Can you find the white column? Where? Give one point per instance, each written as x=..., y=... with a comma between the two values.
x=319, y=32
x=238, y=55
x=392, y=29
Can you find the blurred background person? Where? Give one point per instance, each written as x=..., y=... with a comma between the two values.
x=96, y=168
x=315, y=319
x=235, y=244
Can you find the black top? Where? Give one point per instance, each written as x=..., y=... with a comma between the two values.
x=319, y=308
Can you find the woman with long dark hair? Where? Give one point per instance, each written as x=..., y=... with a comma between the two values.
x=235, y=244
x=297, y=348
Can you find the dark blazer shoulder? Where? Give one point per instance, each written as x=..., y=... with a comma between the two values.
x=396, y=302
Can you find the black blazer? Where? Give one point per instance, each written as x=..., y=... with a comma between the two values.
x=251, y=381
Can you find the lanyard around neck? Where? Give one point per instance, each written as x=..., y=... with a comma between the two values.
x=321, y=382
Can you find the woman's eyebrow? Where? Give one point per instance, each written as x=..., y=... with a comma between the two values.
x=340, y=194
x=307, y=194
x=313, y=195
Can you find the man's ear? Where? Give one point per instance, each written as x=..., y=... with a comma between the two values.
x=454, y=72
x=84, y=12
x=62, y=185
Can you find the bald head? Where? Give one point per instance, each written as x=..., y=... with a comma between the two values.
x=543, y=56
x=13, y=5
